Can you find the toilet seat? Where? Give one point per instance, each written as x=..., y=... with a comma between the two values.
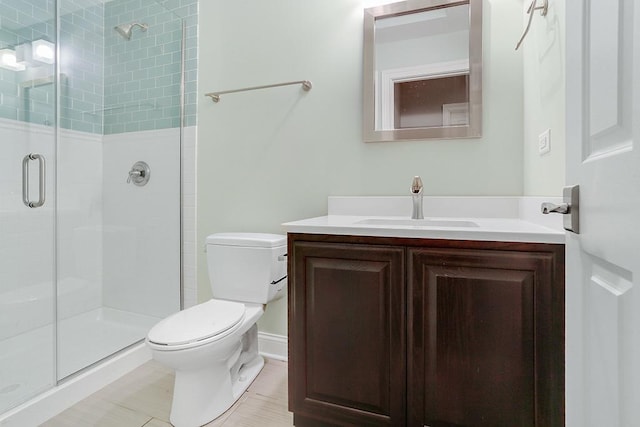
x=208, y=321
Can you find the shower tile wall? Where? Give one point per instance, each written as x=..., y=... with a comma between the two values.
x=24, y=94
x=188, y=10
x=107, y=85
x=81, y=65
x=142, y=75
x=86, y=41
x=88, y=158
x=22, y=22
x=141, y=242
x=25, y=241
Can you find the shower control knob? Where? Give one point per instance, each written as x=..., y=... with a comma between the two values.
x=133, y=173
x=139, y=174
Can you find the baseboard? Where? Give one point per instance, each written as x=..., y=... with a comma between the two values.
x=273, y=346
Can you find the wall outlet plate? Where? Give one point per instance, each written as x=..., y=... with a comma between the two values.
x=544, y=142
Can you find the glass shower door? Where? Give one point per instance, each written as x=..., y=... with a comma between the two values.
x=27, y=205
x=118, y=241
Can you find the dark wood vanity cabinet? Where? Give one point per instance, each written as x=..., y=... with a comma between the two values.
x=485, y=336
x=420, y=332
x=347, y=334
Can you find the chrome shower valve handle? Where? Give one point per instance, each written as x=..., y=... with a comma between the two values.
x=133, y=173
x=139, y=174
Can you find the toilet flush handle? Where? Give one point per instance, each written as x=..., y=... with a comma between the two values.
x=282, y=257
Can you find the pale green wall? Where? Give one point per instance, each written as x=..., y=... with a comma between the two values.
x=271, y=156
x=544, y=88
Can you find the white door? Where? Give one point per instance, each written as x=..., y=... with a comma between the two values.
x=603, y=261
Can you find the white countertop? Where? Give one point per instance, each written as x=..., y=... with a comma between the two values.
x=517, y=226
x=488, y=229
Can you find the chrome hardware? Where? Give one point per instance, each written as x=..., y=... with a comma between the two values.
x=139, y=174
x=282, y=257
x=416, y=198
x=570, y=208
x=125, y=29
x=41, y=180
x=548, y=208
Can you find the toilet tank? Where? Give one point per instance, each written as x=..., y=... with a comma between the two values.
x=247, y=267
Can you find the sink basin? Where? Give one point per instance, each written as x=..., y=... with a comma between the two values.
x=417, y=222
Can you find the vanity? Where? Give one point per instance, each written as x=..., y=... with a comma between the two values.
x=446, y=321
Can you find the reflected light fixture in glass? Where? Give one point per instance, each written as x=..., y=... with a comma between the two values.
x=43, y=51
x=8, y=60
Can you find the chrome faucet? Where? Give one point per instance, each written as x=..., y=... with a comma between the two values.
x=416, y=196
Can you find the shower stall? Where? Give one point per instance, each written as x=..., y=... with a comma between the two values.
x=91, y=120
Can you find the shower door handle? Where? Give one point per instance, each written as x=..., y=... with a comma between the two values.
x=41, y=180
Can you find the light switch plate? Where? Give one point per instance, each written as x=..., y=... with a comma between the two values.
x=544, y=142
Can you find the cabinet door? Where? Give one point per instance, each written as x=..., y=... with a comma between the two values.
x=347, y=334
x=485, y=349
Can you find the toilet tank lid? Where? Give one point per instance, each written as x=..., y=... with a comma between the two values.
x=259, y=240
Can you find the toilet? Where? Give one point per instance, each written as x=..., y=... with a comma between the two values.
x=213, y=346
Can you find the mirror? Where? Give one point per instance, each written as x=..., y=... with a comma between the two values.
x=423, y=70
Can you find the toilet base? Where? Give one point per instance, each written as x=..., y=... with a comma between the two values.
x=202, y=395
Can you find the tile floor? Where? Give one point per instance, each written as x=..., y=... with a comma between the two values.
x=143, y=398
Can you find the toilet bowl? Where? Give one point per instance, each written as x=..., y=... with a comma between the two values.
x=213, y=346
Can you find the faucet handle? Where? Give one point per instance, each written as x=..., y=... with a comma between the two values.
x=416, y=185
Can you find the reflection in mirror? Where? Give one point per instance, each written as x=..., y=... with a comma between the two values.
x=38, y=101
x=422, y=74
